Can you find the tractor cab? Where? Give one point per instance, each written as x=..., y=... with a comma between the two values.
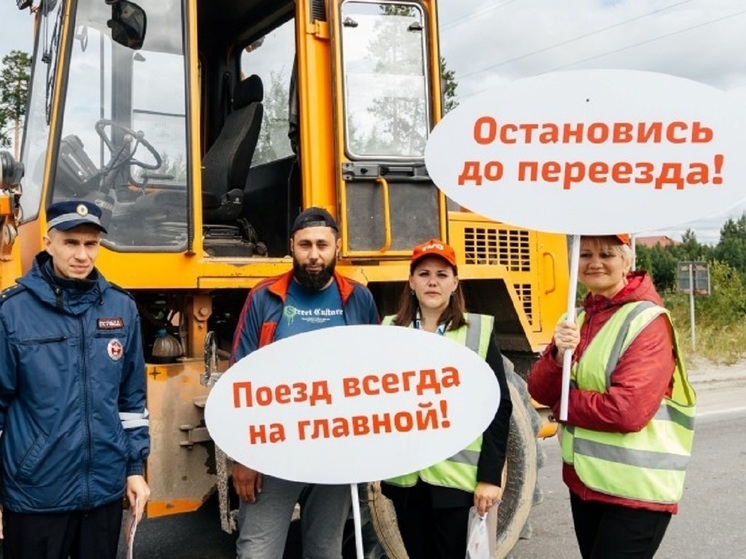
x=202, y=128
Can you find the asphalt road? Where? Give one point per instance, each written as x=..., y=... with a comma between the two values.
x=709, y=524
x=710, y=519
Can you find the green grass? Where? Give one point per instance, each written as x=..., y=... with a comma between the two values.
x=718, y=335
x=724, y=345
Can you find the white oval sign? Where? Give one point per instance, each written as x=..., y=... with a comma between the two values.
x=593, y=152
x=351, y=404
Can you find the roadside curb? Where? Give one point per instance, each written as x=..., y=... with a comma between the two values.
x=717, y=374
x=704, y=373
x=707, y=381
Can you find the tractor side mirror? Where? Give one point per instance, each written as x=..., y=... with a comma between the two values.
x=11, y=171
x=128, y=23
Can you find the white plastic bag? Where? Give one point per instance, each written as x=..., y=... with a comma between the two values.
x=478, y=539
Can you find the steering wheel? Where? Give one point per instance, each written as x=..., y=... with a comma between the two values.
x=137, y=137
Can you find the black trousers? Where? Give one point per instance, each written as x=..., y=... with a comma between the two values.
x=91, y=534
x=428, y=531
x=608, y=531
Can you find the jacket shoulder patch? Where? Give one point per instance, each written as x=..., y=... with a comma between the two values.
x=9, y=292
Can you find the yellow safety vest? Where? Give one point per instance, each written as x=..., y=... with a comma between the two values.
x=648, y=465
x=460, y=470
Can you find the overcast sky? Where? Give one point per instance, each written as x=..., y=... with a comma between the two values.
x=491, y=42
x=16, y=28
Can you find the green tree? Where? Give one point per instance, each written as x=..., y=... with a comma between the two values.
x=14, y=86
x=395, y=51
x=660, y=263
x=448, y=86
x=275, y=123
x=663, y=268
x=643, y=259
x=732, y=246
x=726, y=303
x=448, y=83
x=398, y=111
x=690, y=248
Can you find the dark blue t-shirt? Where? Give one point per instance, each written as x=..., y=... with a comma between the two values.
x=305, y=310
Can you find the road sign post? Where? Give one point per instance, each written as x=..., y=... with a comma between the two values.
x=693, y=278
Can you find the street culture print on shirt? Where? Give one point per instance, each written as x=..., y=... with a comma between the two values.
x=305, y=311
x=315, y=316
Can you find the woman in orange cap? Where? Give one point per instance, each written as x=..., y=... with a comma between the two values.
x=432, y=505
x=629, y=428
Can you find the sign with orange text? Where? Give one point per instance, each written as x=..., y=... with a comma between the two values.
x=352, y=404
x=593, y=152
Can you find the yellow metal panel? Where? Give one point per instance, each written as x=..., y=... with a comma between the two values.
x=5, y=205
x=158, y=508
x=178, y=475
x=193, y=100
x=315, y=111
x=10, y=268
x=532, y=264
x=183, y=270
x=242, y=282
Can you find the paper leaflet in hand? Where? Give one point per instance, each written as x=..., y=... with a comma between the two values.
x=131, y=529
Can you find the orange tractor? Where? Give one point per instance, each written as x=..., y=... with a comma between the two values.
x=202, y=128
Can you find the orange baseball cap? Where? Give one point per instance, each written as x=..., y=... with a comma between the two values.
x=624, y=238
x=433, y=247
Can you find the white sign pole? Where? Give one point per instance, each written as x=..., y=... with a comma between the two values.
x=356, y=519
x=571, y=295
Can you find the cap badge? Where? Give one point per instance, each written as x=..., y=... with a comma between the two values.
x=432, y=246
x=82, y=210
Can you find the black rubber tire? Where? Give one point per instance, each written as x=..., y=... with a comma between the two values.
x=520, y=385
x=522, y=466
x=383, y=518
x=520, y=490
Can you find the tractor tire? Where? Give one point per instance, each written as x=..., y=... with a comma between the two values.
x=520, y=490
x=522, y=468
x=536, y=423
x=383, y=519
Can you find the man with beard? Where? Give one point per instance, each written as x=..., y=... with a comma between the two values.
x=309, y=297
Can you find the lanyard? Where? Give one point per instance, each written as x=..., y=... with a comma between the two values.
x=441, y=330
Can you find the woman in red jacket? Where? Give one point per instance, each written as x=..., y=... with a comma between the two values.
x=629, y=429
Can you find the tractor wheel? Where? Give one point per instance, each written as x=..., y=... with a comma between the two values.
x=522, y=468
x=520, y=490
x=383, y=518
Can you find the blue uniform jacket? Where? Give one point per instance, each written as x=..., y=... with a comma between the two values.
x=263, y=310
x=72, y=393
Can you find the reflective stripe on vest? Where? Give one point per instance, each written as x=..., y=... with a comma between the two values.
x=460, y=470
x=648, y=465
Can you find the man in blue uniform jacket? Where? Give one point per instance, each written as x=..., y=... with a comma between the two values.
x=74, y=428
